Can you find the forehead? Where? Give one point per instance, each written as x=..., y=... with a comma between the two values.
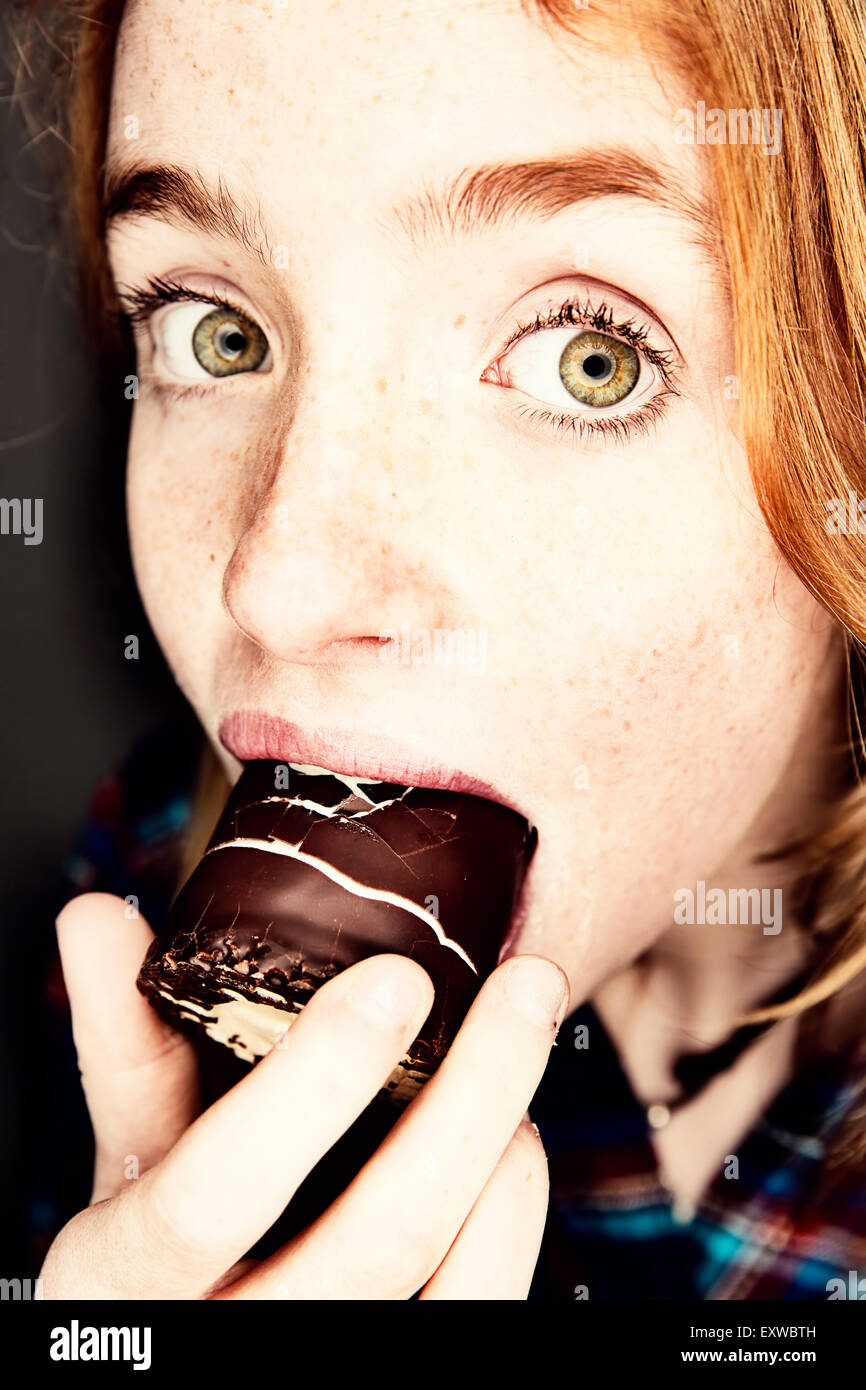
x=327, y=111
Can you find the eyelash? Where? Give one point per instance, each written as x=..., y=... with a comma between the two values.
x=601, y=318
x=139, y=303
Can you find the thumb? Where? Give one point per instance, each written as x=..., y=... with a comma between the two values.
x=140, y=1077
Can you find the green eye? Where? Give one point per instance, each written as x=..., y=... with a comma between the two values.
x=226, y=342
x=597, y=369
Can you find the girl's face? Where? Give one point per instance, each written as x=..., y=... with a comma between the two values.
x=448, y=489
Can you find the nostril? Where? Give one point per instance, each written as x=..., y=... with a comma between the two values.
x=319, y=591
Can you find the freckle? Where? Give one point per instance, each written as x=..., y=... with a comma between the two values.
x=626, y=725
x=213, y=557
x=460, y=319
x=425, y=407
x=381, y=386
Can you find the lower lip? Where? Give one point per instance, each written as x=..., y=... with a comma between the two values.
x=250, y=735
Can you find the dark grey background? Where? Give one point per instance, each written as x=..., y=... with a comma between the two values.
x=70, y=703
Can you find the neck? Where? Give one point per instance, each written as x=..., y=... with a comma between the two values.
x=675, y=1000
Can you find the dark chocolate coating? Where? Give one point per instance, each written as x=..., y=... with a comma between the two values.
x=391, y=865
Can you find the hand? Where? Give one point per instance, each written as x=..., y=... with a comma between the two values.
x=451, y=1204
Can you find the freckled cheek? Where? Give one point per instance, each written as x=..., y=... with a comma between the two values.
x=674, y=663
x=181, y=540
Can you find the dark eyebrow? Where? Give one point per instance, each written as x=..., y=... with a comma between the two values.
x=473, y=201
x=184, y=196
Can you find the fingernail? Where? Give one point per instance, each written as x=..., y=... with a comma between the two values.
x=537, y=990
x=386, y=993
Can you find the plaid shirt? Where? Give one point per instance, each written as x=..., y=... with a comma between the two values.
x=774, y=1225
x=781, y=1228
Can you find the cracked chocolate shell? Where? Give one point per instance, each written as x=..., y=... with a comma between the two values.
x=308, y=872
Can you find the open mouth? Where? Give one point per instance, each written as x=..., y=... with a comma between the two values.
x=253, y=735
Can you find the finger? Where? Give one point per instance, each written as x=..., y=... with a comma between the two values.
x=232, y=1173
x=230, y=1276
x=495, y=1253
x=139, y=1075
x=394, y=1224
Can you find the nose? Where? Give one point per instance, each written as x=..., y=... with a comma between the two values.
x=331, y=555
